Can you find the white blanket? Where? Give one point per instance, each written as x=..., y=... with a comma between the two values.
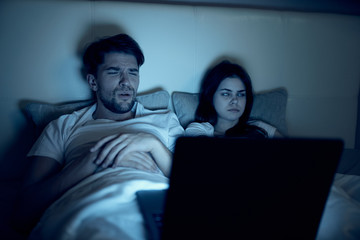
x=341, y=217
x=104, y=206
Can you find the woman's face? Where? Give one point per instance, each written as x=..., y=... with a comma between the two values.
x=229, y=100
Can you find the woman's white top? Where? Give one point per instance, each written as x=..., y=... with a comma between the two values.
x=206, y=129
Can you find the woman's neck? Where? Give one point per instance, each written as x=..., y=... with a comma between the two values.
x=222, y=126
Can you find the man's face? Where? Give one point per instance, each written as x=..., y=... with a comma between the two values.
x=117, y=82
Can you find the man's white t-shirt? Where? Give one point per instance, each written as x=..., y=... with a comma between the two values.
x=72, y=135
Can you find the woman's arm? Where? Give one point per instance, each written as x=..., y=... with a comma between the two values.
x=199, y=129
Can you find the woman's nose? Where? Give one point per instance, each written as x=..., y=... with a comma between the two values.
x=234, y=100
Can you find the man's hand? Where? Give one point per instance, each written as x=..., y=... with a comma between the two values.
x=121, y=149
x=139, y=160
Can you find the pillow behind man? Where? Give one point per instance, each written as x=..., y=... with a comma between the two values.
x=40, y=114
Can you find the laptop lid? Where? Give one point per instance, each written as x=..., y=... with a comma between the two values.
x=151, y=204
x=231, y=188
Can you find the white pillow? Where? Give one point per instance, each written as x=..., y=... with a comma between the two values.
x=269, y=106
x=40, y=114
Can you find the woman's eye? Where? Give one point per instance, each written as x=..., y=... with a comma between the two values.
x=241, y=94
x=225, y=94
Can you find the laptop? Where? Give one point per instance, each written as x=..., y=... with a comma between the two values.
x=233, y=188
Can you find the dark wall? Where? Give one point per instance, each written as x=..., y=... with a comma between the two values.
x=351, y=7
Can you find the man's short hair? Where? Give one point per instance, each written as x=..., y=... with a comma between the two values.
x=95, y=52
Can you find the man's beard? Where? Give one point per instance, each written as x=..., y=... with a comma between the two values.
x=115, y=107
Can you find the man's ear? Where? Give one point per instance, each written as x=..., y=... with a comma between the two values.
x=92, y=82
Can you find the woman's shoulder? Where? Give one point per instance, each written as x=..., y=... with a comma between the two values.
x=199, y=129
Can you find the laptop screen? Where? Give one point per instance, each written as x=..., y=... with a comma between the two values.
x=249, y=188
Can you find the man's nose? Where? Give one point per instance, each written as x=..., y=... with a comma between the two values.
x=124, y=79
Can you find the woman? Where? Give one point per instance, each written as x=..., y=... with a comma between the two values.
x=225, y=102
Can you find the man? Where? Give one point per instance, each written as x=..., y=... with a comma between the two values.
x=115, y=132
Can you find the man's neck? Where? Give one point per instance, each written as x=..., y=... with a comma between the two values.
x=103, y=113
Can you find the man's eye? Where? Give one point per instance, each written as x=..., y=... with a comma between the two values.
x=113, y=72
x=133, y=73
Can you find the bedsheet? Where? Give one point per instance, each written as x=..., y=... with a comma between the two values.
x=104, y=206
x=341, y=217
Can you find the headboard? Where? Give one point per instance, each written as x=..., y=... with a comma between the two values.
x=314, y=55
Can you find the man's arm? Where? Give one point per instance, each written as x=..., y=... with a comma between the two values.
x=115, y=147
x=45, y=182
x=162, y=156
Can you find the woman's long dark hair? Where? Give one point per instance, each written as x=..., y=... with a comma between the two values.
x=206, y=112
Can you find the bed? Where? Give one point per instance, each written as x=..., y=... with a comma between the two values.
x=103, y=206
x=302, y=49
